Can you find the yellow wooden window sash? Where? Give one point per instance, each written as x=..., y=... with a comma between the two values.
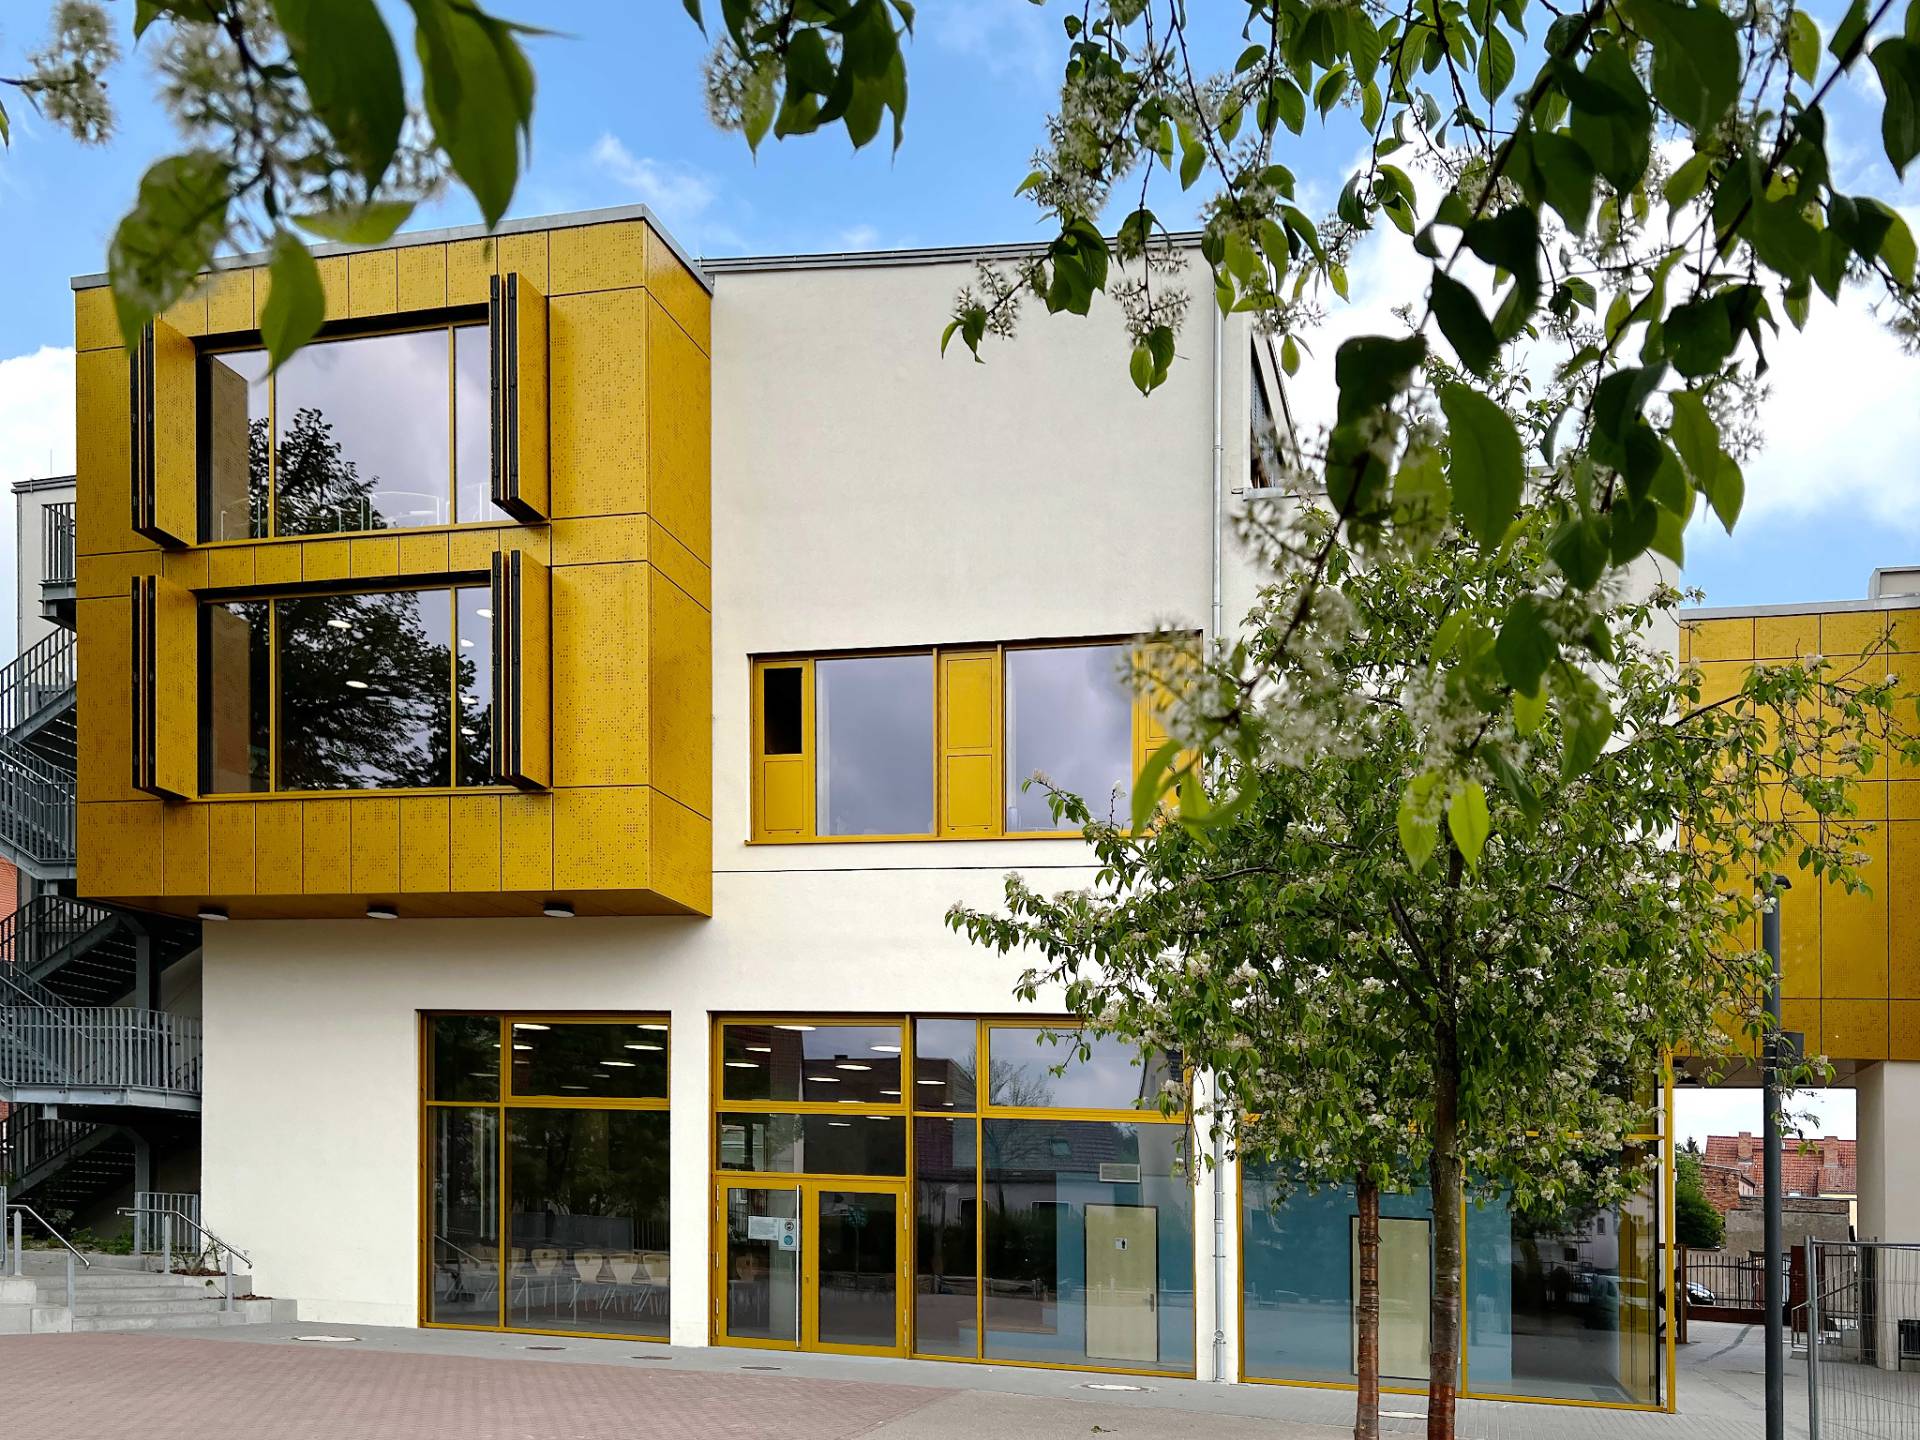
x=517, y=315
x=165, y=456
x=969, y=742
x=522, y=593
x=783, y=785
x=165, y=689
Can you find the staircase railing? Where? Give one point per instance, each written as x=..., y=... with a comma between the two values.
x=29, y=1139
x=44, y=926
x=56, y=544
x=38, y=676
x=16, y=1213
x=195, y=1243
x=99, y=1048
x=36, y=807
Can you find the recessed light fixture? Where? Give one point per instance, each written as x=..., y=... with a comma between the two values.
x=212, y=912
x=654, y=1048
x=341, y=624
x=379, y=911
x=890, y=1092
x=824, y=1079
x=573, y=1087
x=929, y=1082
x=886, y=1049
x=793, y=1027
x=743, y=1064
x=522, y=1047
x=621, y=1064
x=484, y=614
x=841, y=1124
x=530, y=1025
x=356, y=684
x=558, y=909
x=650, y=1025
x=851, y=1065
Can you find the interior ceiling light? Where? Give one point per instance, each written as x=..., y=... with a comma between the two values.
x=484, y=614
x=523, y=1047
x=622, y=1064
x=743, y=1064
x=558, y=909
x=793, y=1027
x=824, y=1079
x=890, y=1092
x=841, y=1124
x=760, y=1049
x=382, y=912
x=530, y=1025
x=654, y=1048
x=212, y=912
x=654, y=1025
x=886, y=1049
x=851, y=1065
x=341, y=624
x=356, y=684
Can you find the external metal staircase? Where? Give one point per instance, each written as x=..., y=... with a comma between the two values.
x=38, y=747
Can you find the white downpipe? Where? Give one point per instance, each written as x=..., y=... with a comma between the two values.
x=1214, y=635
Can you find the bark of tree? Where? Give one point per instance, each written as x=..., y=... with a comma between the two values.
x=1366, y=1412
x=1445, y=1181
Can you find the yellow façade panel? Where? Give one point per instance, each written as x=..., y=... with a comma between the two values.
x=374, y=557
x=679, y=694
x=277, y=563
x=1722, y=639
x=682, y=855
x=1853, y=928
x=685, y=298
x=601, y=675
x=422, y=277
x=333, y=285
x=279, y=847
x=185, y=567
x=175, y=682
x=103, y=459
x=1903, y=1030
x=969, y=726
x=474, y=836
x=1800, y=932
x=230, y=848
x=679, y=434
x=373, y=283
x=423, y=554
x=680, y=565
x=598, y=420
x=326, y=847
x=376, y=845
x=324, y=560
x=1853, y=1029
x=1785, y=637
x=601, y=540
x=598, y=257
x=172, y=506
x=425, y=843
x=95, y=325
x=1854, y=632
x=526, y=842
x=188, y=314
x=184, y=848
x=526, y=253
x=119, y=848
x=104, y=645
x=602, y=839
x=230, y=568
x=230, y=304
x=471, y=266
x=469, y=550
x=1903, y=909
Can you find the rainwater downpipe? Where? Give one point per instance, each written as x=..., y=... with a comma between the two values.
x=1213, y=635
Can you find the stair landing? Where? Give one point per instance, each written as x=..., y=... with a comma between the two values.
x=114, y=1295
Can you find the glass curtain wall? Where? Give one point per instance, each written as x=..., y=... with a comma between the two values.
x=367, y=432
x=1560, y=1303
x=546, y=1185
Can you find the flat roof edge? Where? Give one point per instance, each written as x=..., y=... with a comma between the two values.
x=1811, y=607
x=883, y=259
x=568, y=220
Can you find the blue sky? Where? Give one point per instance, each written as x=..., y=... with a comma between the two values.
x=621, y=117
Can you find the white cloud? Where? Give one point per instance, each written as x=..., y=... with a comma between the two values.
x=684, y=198
x=36, y=439
x=859, y=237
x=1012, y=37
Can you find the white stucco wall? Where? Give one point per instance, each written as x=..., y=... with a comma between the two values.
x=866, y=492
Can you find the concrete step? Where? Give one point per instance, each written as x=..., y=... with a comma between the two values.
x=203, y=1320
x=147, y=1305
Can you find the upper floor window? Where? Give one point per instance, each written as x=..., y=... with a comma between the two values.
x=373, y=690
x=944, y=742
x=366, y=432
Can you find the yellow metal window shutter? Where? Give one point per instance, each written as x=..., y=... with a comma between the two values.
x=1169, y=668
x=165, y=691
x=517, y=332
x=783, y=751
x=522, y=671
x=970, y=783
x=165, y=450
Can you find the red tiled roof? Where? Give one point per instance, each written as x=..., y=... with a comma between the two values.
x=1822, y=1166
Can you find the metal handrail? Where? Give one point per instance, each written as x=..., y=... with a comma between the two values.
x=39, y=674
x=464, y=1254
x=17, y=1209
x=208, y=1241
x=37, y=811
x=215, y=1242
x=99, y=1047
x=56, y=544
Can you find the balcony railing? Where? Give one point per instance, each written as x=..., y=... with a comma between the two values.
x=98, y=1048
x=56, y=545
x=42, y=676
x=36, y=809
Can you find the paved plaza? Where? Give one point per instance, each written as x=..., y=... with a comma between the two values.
x=365, y=1383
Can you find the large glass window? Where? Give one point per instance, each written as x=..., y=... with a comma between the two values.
x=584, y=1187
x=369, y=432
x=873, y=717
x=1069, y=718
x=820, y=1063
x=832, y=1144
x=946, y=1214
x=1034, y=1068
x=362, y=691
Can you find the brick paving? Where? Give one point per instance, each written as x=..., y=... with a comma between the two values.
x=92, y=1387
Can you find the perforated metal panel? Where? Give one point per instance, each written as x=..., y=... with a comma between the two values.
x=373, y=286
x=326, y=847
x=230, y=848
x=599, y=403
x=376, y=845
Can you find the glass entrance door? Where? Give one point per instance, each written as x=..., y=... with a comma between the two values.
x=812, y=1265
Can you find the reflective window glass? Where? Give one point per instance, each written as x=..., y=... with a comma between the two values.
x=366, y=690
x=762, y=1275
x=1069, y=718
x=782, y=731
x=362, y=435
x=946, y=1210
x=625, y=1060
x=813, y=1144
x=464, y=1057
x=235, y=697
x=943, y=1064
x=473, y=680
x=473, y=427
x=873, y=722
x=1113, y=1075
x=463, y=1188
x=590, y=1220
x=1088, y=1243
x=236, y=411
x=824, y=1064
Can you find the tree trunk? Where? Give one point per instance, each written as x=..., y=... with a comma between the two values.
x=1366, y=1410
x=1443, y=1364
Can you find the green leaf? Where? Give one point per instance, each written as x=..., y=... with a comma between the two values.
x=1495, y=70
x=1611, y=116
x=479, y=97
x=1468, y=822
x=1579, y=548
x=1896, y=245
x=1897, y=62
x=1529, y=711
x=145, y=12
x=1152, y=784
x=1371, y=370
x=1782, y=237
x=1803, y=45
x=1586, y=719
x=1419, y=829
x=1464, y=323
x=296, y=301
x=1514, y=783
x=1566, y=175
x=1686, y=182
x=1728, y=492
x=1699, y=336
x=1290, y=356
x=1524, y=648
x=1696, y=437
x=1851, y=31
x=6, y=129
x=169, y=236
x=1696, y=59
x=346, y=59
x=370, y=224
x=1484, y=465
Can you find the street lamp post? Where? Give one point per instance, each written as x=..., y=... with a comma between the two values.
x=1772, y=1295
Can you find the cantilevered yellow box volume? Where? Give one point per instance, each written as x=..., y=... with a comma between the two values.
x=342, y=647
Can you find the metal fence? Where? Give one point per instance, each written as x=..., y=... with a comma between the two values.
x=99, y=1047
x=1862, y=1320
